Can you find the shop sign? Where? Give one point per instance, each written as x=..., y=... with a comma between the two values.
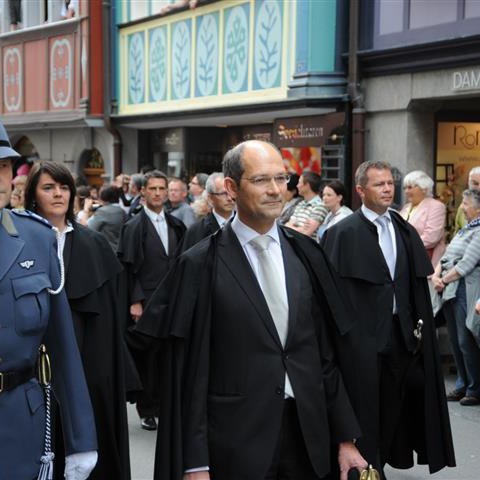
x=257, y=132
x=168, y=140
x=466, y=80
x=306, y=131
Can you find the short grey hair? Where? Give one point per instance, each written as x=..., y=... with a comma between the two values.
x=420, y=179
x=210, y=184
x=361, y=175
x=474, y=171
x=138, y=180
x=201, y=179
x=474, y=195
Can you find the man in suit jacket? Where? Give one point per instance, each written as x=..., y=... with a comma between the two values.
x=33, y=313
x=255, y=391
x=109, y=218
x=222, y=209
x=384, y=268
x=148, y=245
x=136, y=183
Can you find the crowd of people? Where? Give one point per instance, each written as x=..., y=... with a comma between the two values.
x=261, y=326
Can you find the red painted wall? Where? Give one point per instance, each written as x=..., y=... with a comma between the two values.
x=96, y=57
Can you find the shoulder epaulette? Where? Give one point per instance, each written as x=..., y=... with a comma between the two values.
x=32, y=215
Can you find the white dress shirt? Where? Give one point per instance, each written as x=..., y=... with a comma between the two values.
x=160, y=223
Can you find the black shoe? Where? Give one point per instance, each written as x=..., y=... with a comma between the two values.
x=148, y=423
x=455, y=395
x=468, y=401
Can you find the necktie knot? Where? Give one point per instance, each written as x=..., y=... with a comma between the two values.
x=261, y=243
x=383, y=221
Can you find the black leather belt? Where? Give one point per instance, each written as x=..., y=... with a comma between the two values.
x=11, y=380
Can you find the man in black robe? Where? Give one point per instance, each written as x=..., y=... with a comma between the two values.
x=391, y=362
x=251, y=397
x=148, y=245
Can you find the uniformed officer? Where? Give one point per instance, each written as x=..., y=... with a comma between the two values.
x=32, y=313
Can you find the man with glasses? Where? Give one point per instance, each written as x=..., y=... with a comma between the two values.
x=222, y=210
x=256, y=393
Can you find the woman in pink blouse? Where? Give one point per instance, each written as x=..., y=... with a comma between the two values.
x=426, y=214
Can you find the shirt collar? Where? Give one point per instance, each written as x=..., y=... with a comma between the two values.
x=314, y=199
x=245, y=234
x=68, y=229
x=154, y=216
x=221, y=220
x=372, y=216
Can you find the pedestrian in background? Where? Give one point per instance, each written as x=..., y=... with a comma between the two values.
x=333, y=196
x=426, y=214
x=149, y=244
x=310, y=213
x=457, y=280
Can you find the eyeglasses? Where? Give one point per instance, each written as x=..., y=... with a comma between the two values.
x=264, y=181
x=219, y=194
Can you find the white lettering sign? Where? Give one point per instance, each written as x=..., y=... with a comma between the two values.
x=466, y=80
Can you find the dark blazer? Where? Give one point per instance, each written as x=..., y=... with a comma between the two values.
x=352, y=247
x=231, y=365
x=31, y=316
x=142, y=253
x=198, y=231
x=108, y=220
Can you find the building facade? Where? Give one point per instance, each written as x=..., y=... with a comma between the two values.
x=420, y=68
x=194, y=81
x=51, y=100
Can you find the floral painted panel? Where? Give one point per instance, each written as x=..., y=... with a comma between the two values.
x=181, y=59
x=12, y=79
x=268, y=44
x=158, y=64
x=235, y=57
x=136, y=68
x=206, y=82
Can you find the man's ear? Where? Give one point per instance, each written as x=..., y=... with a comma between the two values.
x=231, y=187
x=359, y=190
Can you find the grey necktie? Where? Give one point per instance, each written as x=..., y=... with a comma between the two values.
x=271, y=285
x=386, y=243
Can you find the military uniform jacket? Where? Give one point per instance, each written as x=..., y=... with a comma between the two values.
x=31, y=316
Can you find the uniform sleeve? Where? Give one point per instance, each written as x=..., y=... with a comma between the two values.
x=68, y=379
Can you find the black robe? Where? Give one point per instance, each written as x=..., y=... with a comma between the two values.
x=352, y=247
x=91, y=283
x=179, y=318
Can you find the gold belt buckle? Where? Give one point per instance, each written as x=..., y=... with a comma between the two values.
x=1, y=382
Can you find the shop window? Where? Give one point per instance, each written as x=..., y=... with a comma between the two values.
x=457, y=152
